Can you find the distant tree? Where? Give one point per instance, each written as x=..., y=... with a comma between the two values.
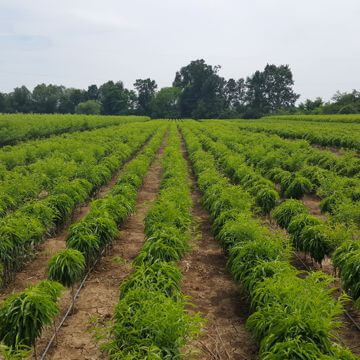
x=89, y=107
x=115, y=99
x=20, y=100
x=345, y=103
x=92, y=93
x=235, y=98
x=201, y=90
x=165, y=105
x=311, y=106
x=69, y=99
x=145, y=95
x=46, y=98
x=270, y=90
x=2, y=103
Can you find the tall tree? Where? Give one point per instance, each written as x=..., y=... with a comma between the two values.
x=146, y=89
x=201, y=90
x=270, y=90
x=115, y=99
x=69, y=99
x=2, y=103
x=92, y=92
x=165, y=105
x=46, y=98
x=20, y=100
x=235, y=98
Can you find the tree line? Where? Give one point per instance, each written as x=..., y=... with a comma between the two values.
x=340, y=103
x=197, y=91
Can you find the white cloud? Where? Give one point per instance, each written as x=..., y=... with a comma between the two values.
x=77, y=43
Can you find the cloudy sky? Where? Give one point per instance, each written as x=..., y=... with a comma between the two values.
x=80, y=42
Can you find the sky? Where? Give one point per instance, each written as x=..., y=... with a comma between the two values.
x=76, y=43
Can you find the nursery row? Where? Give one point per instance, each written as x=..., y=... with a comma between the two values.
x=309, y=234
x=31, y=223
x=286, y=320
x=20, y=127
x=324, y=134
x=62, y=160
x=28, y=312
x=341, y=118
x=88, y=238
x=150, y=320
x=299, y=170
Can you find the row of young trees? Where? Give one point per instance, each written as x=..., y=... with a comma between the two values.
x=198, y=91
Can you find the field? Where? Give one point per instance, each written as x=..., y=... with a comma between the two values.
x=130, y=238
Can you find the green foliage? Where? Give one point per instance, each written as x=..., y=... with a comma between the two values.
x=89, y=107
x=285, y=212
x=284, y=311
x=150, y=325
x=159, y=276
x=346, y=258
x=87, y=244
x=294, y=316
x=19, y=353
x=66, y=267
x=23, y=316
x=298, y=187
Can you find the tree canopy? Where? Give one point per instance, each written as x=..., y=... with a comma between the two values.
x=198, y=91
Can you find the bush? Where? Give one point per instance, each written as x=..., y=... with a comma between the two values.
x=286, y=211
x=66, y=267
x=150, y=325
x=24, y=315
x=89, y=107
x=298, y=187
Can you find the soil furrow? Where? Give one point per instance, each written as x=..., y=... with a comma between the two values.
x=214, y=293
x=100, y=293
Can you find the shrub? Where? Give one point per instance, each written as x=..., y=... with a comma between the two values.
x=150, y=325
x=298, y=187
x=285, y=212
x=66, y=267
x=24, y=315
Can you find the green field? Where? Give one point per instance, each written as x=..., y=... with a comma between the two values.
x=179, y=239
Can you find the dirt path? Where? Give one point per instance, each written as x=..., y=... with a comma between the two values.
x=215, y=294
x=100, y=293
x=35, y=269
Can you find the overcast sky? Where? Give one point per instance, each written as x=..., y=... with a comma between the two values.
x=80, y=42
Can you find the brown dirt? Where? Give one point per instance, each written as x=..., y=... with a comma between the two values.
x=312, y=202
x=335, y=150
x=100, y=293
x=215, y=294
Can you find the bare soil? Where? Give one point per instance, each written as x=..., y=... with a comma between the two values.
x=312, y=202
x=100, y=293
x=215, y=294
